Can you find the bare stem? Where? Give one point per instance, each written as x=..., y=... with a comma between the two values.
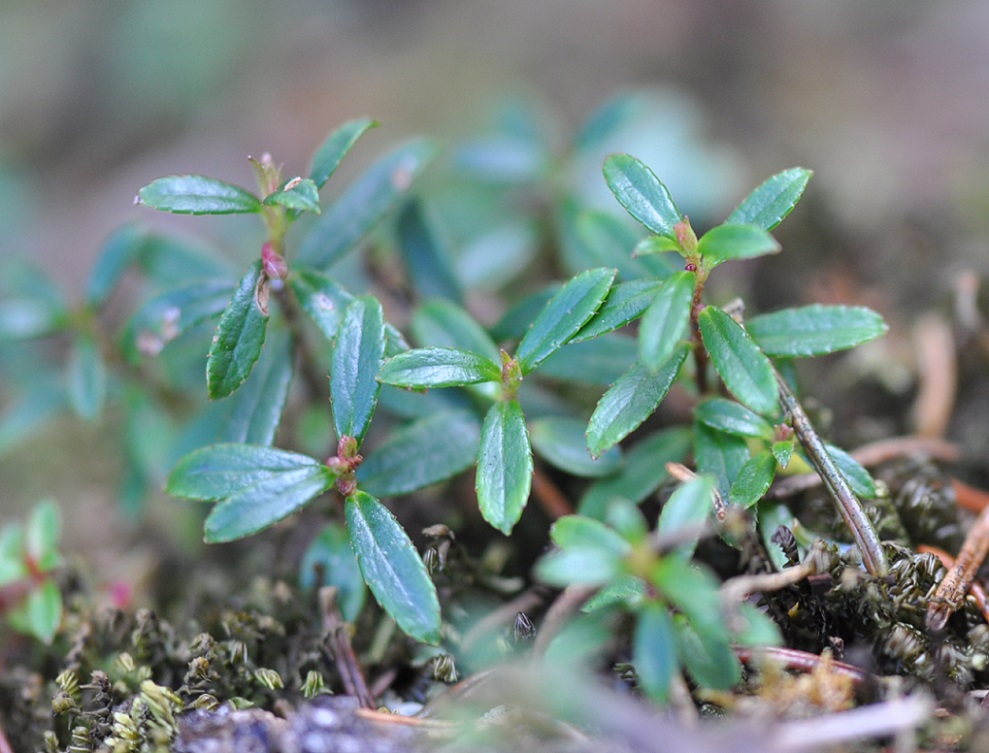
x=953, y=587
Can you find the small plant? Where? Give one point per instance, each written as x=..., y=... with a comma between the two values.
x=30, y=599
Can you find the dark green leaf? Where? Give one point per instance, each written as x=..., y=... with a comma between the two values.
x=515, y=323
x=642, y=194
x=753, y=479
x=223, y=470
x=504, y=466
x=443, y=324
x=392, y=568
x=654, y=650
x=732, y=418
x=579, y=532
x=322, y=298
x=258, y=405
x=560, y=440
x=629, y=402
x=87, y=379
x=166, y=316
x=332, y=151
x=120, y=250
x=332, y=554
x=783, y=451
x=572, y=306
x=627, y=590
x=815, y=330
x=693, y=590
x=609, y=241
x=274, y=495
x=665, y=322
x=170, y=261
x=197, y=194
x=857, y=476
x=438, y=367
x=599, y=361
x=743, y=368
x=735, y=242
x=239, y=336
x=363, y=205
x=425, y=452
x=625, y=303
x=643, y=472
x=299, y=194
x=720, y=454
x=689, y=505
x=772, y=201
x=428, y=259
x=357, y=353
x=708, y=657
x=487, y=262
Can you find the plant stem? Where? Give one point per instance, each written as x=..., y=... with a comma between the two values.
x=952, y=589
x=976, y=589
x=337, y=642
x=849, y=507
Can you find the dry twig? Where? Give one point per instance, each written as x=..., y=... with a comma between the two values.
x=952, y=589
x=337, y=643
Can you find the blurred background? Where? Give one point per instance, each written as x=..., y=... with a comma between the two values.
x=886, y=101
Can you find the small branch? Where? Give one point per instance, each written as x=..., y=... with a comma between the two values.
x=681, y=473
x=849, y=507
x=976, y=590
x=953, y=587
x=549, y=496
x=968, y=497
x=337, y=644
x=737, y=588
x=792, y=658
x=569, y=601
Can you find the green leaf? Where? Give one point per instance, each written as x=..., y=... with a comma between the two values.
x=630, y=401
x=197, y=194
x=560, y=440
x=627, y=590
x=766, y=206
x=504, y=466
x=584, y=566
x=222, y=470
x=239, y=337
x=428, y=258
x=693, y=590
x=720, y=454
x=708, y=657
x=44, y=610
x=299, y=194
x=438, y=367
x=515, y=322
x=753, y=479
x=322, y=298
x=332, y=554
x=856, y=475
x=422, y=453
x=642, y=194
x=654, y=650
x=579, y=532
x=815, y=330
x=642, y=473
x=38, y=403
x=41, y=535
x=654, y=244
x=335, y=147
x=665, y=321
x=600, y=361
x=392, y=568
x=365, y=203
x=357, y=353
x=734, y=242
x=444, y=324
x=120, y=250
x=754, y=628
x=567, y=311
x=24, y=317
x=783, y=451
x=743, y=368
x=87, y=378
x=689, y=505
x=732, y=418
x=258, y=405
x=606, y=241
x=166, y=316
x=625, y=303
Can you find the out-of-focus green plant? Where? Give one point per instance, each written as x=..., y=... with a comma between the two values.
x=30, y=599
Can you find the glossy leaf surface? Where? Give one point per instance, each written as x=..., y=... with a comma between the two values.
x=257, y=406
x=732, y=418
x=629, y=402
x=332, y=554
x=299, y=194
x=753, y=479
x=768, y=204
x=654, y=650
x=438, y=367
x=815, y=330
x=688, y=506
x=567, y=311
x=428, y=258
x=444, y=324
x=561, y=441
x=357, y=353
x=743, y=368
x=239, y=338
x=392, y=568
x=504, y=466
x=422, y=453
x=197, y=194
x=720, y=454
x=665, y=322
x=625, y=303
x=735, y=242
x=335, y=147
x=642, y=194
